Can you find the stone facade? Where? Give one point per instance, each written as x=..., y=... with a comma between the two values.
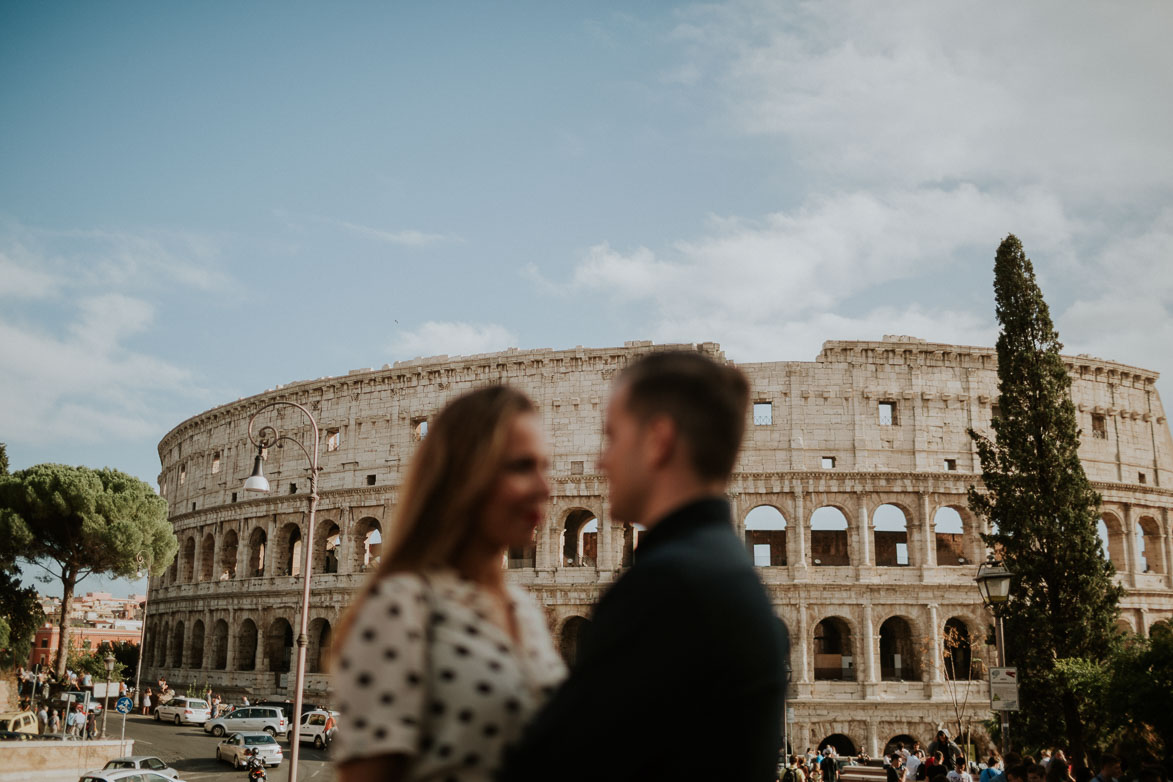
x=850, y=490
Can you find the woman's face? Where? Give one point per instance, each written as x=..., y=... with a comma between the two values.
x=516, y=505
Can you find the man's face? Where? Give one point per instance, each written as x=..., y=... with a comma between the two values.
x=1113, y=770
x=1034, y=776
x=624, y=459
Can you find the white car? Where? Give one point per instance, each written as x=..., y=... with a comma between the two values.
x=234, y=749
x=319, y=727
x=125, y=775
x=144, y=762
x=194, y=711
x=249, y=718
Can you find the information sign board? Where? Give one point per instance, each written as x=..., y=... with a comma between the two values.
x=1004, y=689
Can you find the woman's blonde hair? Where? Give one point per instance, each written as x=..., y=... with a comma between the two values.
x=451, y=475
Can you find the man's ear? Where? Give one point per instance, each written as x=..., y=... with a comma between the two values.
x=661, y=440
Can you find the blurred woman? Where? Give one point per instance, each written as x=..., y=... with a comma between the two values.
x=439, y=662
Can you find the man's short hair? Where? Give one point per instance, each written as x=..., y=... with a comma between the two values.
x=1107, y=759
x=707, y=401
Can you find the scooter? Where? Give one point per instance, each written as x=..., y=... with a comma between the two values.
x=256, y=767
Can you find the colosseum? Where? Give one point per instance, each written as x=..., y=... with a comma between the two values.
x=850, y=493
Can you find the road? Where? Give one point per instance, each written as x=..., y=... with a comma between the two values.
x=192, y=753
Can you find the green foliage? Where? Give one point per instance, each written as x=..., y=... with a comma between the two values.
x=20, y=616
x=1141, y=701
x=84, y=521
x=94, y=663
x=3, y=459
x=1063, y=604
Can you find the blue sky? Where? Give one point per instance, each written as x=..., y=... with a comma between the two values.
x=199, y=201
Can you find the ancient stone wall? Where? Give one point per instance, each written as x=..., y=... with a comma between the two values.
x=850, y=492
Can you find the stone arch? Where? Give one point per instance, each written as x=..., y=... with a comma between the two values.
x=195, y=654
x=834, y=659
x=327, y=542
x=177, y=645
x=829, y=543
x=1124, y=626
x=1111, y=532
x=246, y=646
x=890, y=535
x=570, y=640
x=899, y=660
x=228, y=554
x=843, y=745
x=320, y=634
x=368, y=543
x=579, y=547
x=950, y=533
x=161, y=646
x=149, y=645
x=258, y=542
x=208, y=558
x=289, y=545
x=220, y=645
x=1148, y=545
x=173, y=571
x=895, y=741
x=632, y=533
x=765, y=536
x=279, y=645
x=189, y=553
x=957, y=651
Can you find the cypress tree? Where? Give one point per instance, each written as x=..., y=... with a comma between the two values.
x=1043, y=512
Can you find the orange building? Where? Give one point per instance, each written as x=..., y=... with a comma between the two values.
x=84, y=638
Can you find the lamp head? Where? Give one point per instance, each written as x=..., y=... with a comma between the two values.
x=993, y=580
x=257, y=481
x=109, y=660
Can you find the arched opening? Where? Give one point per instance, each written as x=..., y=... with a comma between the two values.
x=228, y=553
x=523, y=556
x=949, y=530
x=631, y=537
x=195, y=657
x=1124, y=627
x=1148, y=543
x=898, y=658
x=149, y=646
x=829, y=537
x=368, y=537
x=891, y=536
x=173, y=571
x=207, y=558
x=580, y=539
x=957, y=652
x=177, y=645
x=328, y=539
x=1111, y=533
x=246, y=646
x=256, y=552
x=161, y=650
x=897, y=742
x=319, y=645
x=189, y=552
x=220, y=645
x=765, y=536
x=290, y=550
x=279, y=646
x=844, y=747
x=833, y=656
x=573, y=632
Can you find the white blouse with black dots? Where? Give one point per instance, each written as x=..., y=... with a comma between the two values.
x=425, y=673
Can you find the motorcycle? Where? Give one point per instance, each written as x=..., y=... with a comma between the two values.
x=256, y=767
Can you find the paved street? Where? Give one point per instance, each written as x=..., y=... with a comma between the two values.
x=193, y=753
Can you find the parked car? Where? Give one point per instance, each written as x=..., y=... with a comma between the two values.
x=19, y=722
x=249, y=718
x=194, y=711
x=233, y=749
x=147, y=762
x=319, y=727
x=127, y=774
x=7, y=735
x=285, y=706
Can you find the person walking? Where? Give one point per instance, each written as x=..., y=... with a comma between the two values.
x=147, y=701
x=77, y=721
x=54, y=722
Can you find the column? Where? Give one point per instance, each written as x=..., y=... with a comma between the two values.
x=1167, y=540
x=230, y=642
x=934, y=645
x=542, y=542
x=929, y=550
x=803, y=641
x=270, y=546
x=1131, y=549
x=796, y=534
x=863, y=548
x=868, y=639
x=606, y=558
x=873, y=738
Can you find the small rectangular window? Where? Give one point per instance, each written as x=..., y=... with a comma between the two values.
x=293, y=488
x=761, y=555
x=1140, y=476
x=950, y=465
x=234, y=496
x=370, y=480
x=828, y=462
x=995, y=412
x=763, y=413
x=901, y=553
x=215, y=462
x=887, y=413
x=333, y=439
x=1099, y=426
x=44, y=643
x=193, y=506
x=182, y=474
x=419, y=428
x=576, y=468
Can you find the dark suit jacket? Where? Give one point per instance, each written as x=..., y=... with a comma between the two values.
x=681, y=675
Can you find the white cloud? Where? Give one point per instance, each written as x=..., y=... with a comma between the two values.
x=452, y=338
x=20, y=280
x=404, y=238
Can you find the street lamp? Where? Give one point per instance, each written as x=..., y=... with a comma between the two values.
x=109, y=660
x=993, y=580
x=142, y=634
x=264, y=439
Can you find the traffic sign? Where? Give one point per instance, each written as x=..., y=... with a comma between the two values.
x=124, y=705
x=1004, y=689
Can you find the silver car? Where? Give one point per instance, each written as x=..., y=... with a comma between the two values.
x=235, y=749
x=267, y=718
x=180, y=710
x=145, y=762
x=125, y=775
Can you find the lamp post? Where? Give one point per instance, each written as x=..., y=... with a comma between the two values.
x=109, y=660
x=264, y=439
x=142, y=636
x=993, y=580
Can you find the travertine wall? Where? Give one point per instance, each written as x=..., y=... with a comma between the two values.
x=224, y=613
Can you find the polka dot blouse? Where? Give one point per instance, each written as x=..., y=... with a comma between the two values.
x=425, y=673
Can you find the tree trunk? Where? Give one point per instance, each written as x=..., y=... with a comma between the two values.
x=68, y=582
x=1074, y=728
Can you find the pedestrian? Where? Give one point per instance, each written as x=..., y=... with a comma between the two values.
x=92, y=725
x=1057, y=769
x=991, y=771
x=829, y=766
x=673, y=428
x=54, y=722
x=1109, y=769
x=792, y=772
x=949, y=750
x=77, y=721
x=147, y=701
x=244, y=700
x=895, y=767
x=42, y=719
